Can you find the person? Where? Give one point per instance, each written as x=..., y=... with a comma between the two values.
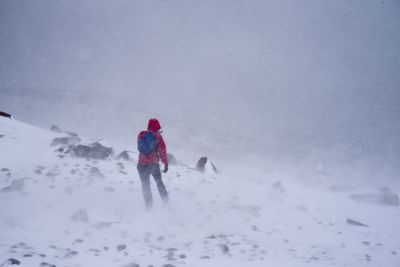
x=148, y=162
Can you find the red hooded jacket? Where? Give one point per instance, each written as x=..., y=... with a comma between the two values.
x=161, y=148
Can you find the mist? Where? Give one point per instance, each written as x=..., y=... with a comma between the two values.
x=269, y=80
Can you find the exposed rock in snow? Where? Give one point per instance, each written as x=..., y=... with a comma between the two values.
x=71, y=253
x=224, y=248
x=65, y=141
x=388, y=197
x=6, y=115
x=5, y=170
x=16, y=185
x=10, y=262
x=95, y=173
x=92, y=151
x=355, y=223
x=80, y=216
x=121, y=247
x=124, y=155
x=201, y=164
x=171, y=159
x=55, y=128
x=213, y=167
x=277, y=187
x=45, y=264
x=132, y=265
x=384, y=197
x=102, y=225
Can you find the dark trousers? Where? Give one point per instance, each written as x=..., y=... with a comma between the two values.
x=144, y=172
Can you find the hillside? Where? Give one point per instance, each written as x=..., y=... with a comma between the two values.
x=62, y=210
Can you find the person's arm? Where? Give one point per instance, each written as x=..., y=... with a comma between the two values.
x=162, y=150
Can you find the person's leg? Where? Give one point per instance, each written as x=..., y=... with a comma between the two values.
x=144, y=173
x=156, y=172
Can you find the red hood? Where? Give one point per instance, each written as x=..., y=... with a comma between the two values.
x=153, y=125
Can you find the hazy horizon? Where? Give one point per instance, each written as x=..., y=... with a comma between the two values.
x=279, y=75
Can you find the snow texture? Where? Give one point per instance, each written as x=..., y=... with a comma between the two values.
x=74, y=211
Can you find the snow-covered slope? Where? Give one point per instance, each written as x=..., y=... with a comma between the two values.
x=68, y=211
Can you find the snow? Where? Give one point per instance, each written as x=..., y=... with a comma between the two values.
x=58, y=212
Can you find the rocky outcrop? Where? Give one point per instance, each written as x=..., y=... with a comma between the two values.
x=124, y=155
x=171, y=159
x=201, y=164
x=16, y=185
x=355, y=223
x=384, y=197
x=6, y=115
x=65, y=141
x=92, y=151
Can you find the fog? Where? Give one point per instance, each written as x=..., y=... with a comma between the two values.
x=267, y=79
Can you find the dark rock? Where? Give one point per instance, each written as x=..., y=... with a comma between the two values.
x=65, y=141
x=80, y=216
x=278, y=188
x=45, y=264
x=389, y=198
x=214, y=168
x=171, y=159
x=168, y=265
x=385, y=198
x=254, y=228
x=224, y=248
x=182, y=256
x=132, y=265
x=55, y=128
x=4, y=114
x=19, y=245
x=71, y=253
x=355, y=223
x=2, y=135
x=201, y=164
x=5, y=170
x=16, y=185
x=72, y=134
x=93, y=151
x=12, y=261
x=52, y=174
x=121, y=247
x=124, y=155
x=95, y=173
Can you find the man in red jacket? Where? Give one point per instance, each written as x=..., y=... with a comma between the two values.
x=148, y=162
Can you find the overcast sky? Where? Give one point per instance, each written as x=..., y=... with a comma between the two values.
x=280, y=69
